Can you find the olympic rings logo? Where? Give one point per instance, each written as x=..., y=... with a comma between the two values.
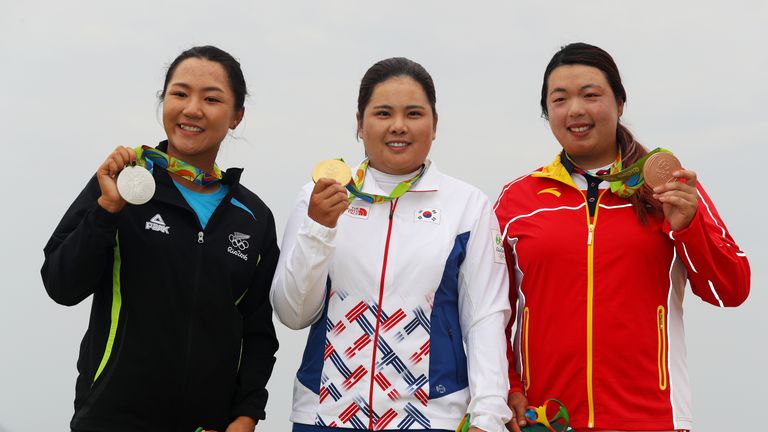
x=239, y=240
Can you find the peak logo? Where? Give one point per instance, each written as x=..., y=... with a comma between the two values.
x=157, y=224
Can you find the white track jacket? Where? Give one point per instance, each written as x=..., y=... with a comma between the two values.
x=408, y=301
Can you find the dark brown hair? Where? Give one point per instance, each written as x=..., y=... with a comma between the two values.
x=390, y=68
x=631, y=150
x=211, y=53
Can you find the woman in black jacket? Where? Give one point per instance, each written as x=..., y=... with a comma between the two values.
x=180, y=334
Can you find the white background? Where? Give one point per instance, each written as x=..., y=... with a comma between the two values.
x=81, y=77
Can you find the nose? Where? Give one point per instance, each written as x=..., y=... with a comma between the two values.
x=193, y=108
x=398, y=125
x=576, y=108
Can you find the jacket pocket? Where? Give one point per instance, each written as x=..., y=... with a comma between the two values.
x=661, y=338
x=524, y=348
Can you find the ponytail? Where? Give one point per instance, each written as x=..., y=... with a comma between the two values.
x=631, y=151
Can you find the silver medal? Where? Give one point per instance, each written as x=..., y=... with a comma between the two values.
x=135, y=184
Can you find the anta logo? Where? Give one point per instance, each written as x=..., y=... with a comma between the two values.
x=552, y=191
x=239, y=244
x=157, y=224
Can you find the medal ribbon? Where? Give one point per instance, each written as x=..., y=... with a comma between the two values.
x=625, y=182
x=357, y=182
x=151, y=156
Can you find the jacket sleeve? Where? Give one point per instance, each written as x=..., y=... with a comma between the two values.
x=717, y=268
x=80, y=251
x=299, y=287
x=484, y=311
x=515, y=382
x=259, y=339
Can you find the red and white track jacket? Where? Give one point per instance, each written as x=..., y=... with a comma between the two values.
x=599, y=300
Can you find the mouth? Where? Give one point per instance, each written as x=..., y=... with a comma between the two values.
x=190, y=128
x=398, y=144
x=580, y=128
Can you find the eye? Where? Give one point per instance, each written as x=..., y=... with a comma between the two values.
x=591, y=95
x=381, y=113
x=178, y=93
x=558, y=99
x=212, y=99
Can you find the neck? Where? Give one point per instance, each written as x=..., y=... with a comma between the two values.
x=589, y=162
x=203, y=161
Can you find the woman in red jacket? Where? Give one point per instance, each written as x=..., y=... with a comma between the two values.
x=599, y=262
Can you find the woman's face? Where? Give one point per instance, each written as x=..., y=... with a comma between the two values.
x=198, y=110
x=397, y=126
x=583, y=114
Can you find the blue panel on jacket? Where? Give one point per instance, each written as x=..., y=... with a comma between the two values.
x=311, y=367
x=447, y=360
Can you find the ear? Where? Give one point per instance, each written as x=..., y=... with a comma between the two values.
x=621, y=108
x=237, y=119
x=359, y=120
x=434, y=129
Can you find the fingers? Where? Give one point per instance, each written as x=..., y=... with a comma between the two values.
x=517, y=403
x=328, y=202
x=119, y=158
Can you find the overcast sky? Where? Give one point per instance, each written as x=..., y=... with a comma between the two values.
x=81, y=77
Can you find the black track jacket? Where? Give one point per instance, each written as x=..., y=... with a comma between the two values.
x=180, y=333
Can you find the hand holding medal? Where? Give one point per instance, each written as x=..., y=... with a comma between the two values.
x=674, y=187
x=107, y=174
x=329, y=196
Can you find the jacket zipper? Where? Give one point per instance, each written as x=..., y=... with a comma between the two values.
x=662, y=346
x=591, y=223
x=392, y=205
x=527, y=368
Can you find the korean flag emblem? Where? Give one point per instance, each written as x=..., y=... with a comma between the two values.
x=428, y=215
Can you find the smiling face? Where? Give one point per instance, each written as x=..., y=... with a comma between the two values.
x=397, y=126
x=198, y=110
x=583, y=114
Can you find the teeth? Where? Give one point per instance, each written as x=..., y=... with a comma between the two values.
x=580, y=129
x=397, y=144
x=191, y=128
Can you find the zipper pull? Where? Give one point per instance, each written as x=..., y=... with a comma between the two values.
x=591, y=232
x=200, y=237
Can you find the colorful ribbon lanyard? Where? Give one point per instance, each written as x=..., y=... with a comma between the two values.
x=560, y=422
x=625, y=182
x=357, y=182
x=152, y=156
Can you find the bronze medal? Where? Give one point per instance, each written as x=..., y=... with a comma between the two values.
x=333, y=169
x=658, y=169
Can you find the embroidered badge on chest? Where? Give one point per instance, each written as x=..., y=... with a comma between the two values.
x=428, y=215
x=239, y=245
x=359, y=211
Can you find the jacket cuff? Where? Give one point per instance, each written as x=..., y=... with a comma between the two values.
x=104, y=220
x=693, y=226
x=318, y=231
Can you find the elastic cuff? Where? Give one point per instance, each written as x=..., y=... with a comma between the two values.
x=103, y=219
x=321, y=232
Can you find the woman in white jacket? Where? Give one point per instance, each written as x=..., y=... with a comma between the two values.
x=396, y=280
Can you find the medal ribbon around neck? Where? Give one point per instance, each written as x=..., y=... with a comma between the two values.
x=625, y=182
x=404, y=186
x=148, y=157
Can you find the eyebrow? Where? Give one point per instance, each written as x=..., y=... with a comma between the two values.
x=584, y=87
x=187, y=86
x=386, y=106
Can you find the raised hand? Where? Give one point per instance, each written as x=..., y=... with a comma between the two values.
x=327, y=202
x=107, y=173
x=679, y=199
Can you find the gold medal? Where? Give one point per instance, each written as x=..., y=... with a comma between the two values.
x=333, y=169
x=658, y=169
